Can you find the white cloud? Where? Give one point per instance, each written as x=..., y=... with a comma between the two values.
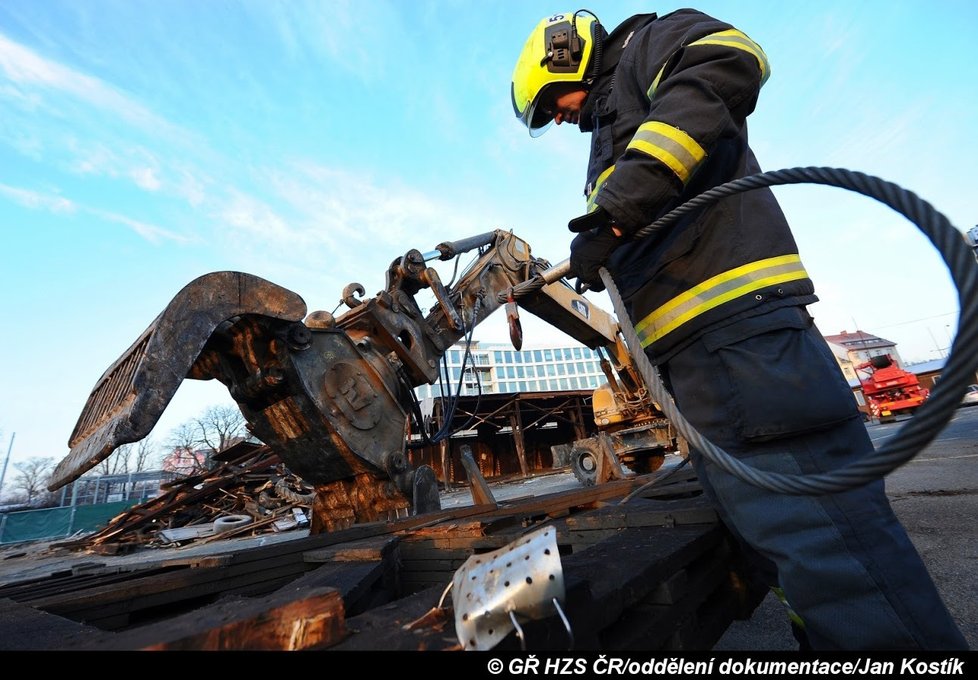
x=255, y=217
x=55, y=203
x=190, y=186
x=92, y=159
x=118, y=160
x=24, y=67
x=352, y=36
x=338, y=206
x=28, y=100
x=150, y=232
x=145, y=178
x=38, y=201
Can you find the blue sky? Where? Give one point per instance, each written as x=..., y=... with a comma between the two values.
x=143, y=144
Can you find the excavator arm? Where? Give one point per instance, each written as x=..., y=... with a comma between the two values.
x=331, y=395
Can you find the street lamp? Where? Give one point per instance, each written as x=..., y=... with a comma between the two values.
x=940, y=352
x=6, y=460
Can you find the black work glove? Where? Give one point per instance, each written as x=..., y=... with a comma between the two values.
x=592, y=247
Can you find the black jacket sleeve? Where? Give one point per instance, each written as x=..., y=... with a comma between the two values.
x=700, y=79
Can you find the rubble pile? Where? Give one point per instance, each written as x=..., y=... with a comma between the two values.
x=249, y=491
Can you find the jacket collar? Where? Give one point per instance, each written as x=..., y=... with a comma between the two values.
x=611, y=50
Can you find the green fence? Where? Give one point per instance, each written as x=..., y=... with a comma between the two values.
x=33, y=525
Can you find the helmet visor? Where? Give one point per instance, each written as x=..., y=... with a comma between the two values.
x=540, y=115
x=537, y=131
x=541, y=111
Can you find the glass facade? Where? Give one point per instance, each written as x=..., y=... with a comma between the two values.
x=506, y=370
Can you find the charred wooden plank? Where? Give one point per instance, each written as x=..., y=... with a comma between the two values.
x=669, y=614
x=457, y=545
x=63, y=584
x=623, y=569
x=611, y=577
x=645, y=513
x=358, y=532
x=291, y=619
x=586, y=497
x=602, y=582
x=481, y=493
x=406, y=625
x=352, y=580
x=32, y=587
x=100, y=604
x=433, y=564
x=375, y=548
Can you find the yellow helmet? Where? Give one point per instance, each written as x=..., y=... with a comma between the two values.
x=559, y=50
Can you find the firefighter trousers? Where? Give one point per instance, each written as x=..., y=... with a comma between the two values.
x=768, y=391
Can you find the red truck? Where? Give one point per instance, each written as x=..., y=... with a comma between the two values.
x=890, y=390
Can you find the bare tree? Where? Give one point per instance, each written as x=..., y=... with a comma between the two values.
x=182, y=444
x=221, y=427
x=146, y=456
x=134, y=457
x=115, y=464
x=32, y=477
x=193, y=444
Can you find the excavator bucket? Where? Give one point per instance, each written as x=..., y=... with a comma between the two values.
x=130, y=397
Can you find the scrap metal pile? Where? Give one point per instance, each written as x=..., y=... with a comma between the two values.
x=249, y=491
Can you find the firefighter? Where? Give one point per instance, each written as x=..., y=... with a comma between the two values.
x=719, y=301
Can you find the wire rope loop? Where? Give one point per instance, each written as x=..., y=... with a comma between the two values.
x=929, y=419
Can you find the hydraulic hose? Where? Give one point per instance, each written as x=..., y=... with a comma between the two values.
x=929, y=419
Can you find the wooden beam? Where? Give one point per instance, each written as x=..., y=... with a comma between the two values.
x=412, y=623
x=291, y=619
x=516, y=423
x=445, y=463
x=646, y=513
x=580, y=430
x=481, y=494
x=602, y=582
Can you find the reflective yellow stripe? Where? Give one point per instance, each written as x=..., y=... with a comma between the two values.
x=670, y=145
x=655, y=83
x=792, y=614
x=715, y=291
x=602, y=178
x=736, y=39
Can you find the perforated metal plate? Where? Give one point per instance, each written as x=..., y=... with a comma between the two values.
x=523, y=577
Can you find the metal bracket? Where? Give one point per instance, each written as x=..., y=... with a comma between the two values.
x=524, y=578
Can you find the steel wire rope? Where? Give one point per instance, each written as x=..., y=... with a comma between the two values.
x=929, y=419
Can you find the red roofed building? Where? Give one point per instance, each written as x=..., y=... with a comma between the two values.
x=852, y=349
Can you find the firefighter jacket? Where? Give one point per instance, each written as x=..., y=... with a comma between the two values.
x=667, y=117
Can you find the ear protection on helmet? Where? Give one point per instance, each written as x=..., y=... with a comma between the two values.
x=563, y=48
